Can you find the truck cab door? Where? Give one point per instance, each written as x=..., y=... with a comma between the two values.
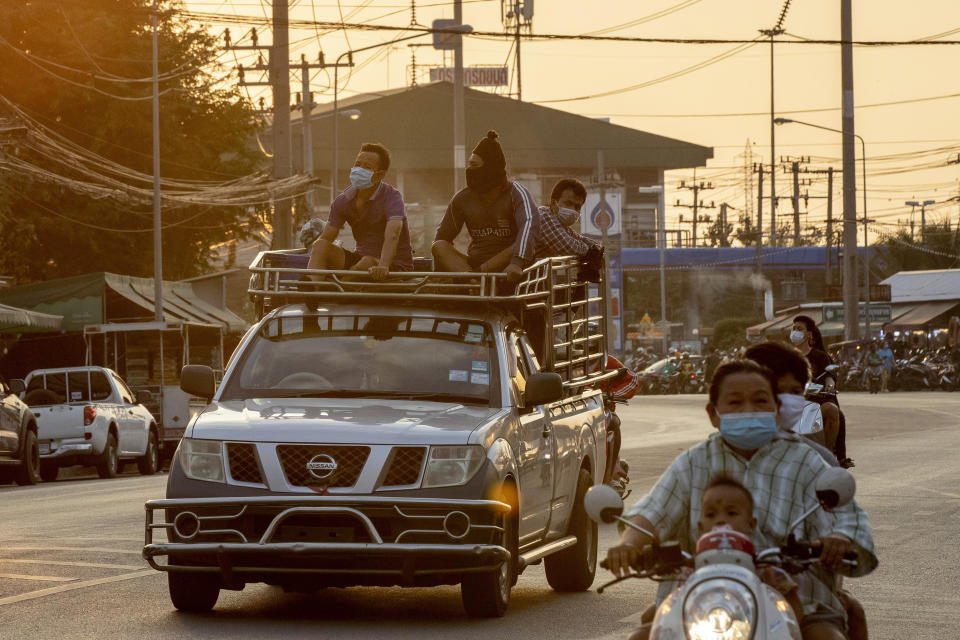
x=133, y=432
x=535, y=457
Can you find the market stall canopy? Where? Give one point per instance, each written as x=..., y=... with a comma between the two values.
x=16, y=320
x=923, y=314
x=98, y=298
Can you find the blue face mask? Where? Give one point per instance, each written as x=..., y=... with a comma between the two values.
x=748, y=431
x=360, y=178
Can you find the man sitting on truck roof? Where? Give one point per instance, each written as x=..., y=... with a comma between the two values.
x=500, y=215
x=555, y=233
x=377, y=218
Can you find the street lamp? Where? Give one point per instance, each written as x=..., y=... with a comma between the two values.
x=662, y=243
x=923, y=217
x=866, y=243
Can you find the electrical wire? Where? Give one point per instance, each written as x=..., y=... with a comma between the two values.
x=648, y=18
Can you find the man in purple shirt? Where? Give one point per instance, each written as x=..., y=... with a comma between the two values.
x=500, y=215
x=377, y=218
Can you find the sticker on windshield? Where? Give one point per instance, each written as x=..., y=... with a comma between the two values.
x=474, y=333
x=458, y=375
x=479, y=378
x=479, y=365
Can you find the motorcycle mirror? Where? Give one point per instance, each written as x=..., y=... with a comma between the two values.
x=813, y=387
x=831, y=367
x=835, y=487
x=603, y=503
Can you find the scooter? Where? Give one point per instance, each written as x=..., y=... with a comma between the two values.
x=874, y=378
x=724, y=599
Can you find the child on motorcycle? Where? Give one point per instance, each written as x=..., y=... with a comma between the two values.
x=727, y=504
x=777, y=468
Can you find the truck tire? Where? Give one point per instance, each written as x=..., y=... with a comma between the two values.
x=193, y=592
x=49, y=471
x=109, y=463
x=28, y=472
x=149, y=463
x=573, y=569
x=487, y=595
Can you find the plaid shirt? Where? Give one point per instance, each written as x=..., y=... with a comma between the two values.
x=556, y=239
x=780, y=477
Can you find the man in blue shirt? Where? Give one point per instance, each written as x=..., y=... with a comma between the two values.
x=887, y=356
x=377, y=218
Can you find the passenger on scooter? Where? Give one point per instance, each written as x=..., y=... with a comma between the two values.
x=806, y=337
x=780, y=470
x=726, y=503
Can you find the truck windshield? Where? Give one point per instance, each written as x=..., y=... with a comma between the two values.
x=367, y=356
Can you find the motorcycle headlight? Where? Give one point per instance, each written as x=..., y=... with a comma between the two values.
x=452, y=466
x=719, y=609
x=202, y=459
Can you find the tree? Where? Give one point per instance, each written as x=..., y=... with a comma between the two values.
x=903, y=251
x=746, y=232
x=79, y=70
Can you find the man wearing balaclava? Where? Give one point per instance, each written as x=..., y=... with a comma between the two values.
x=500, y=215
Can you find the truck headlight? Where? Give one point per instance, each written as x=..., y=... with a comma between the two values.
x=202, y=459
x=719, y=609
x=452, y=466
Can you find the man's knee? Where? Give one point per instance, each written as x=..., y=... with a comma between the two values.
x=440, y=248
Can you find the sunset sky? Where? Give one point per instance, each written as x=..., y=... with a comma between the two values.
x=908, y=145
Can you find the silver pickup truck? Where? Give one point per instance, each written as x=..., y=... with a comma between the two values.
x=418, y=432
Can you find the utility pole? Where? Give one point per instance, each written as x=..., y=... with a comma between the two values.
x=830, y=226
x=758, y=268
x=157, y=226
x=850, y=286
x=696, y=188
x=602, y=180
x=459, y=146
x=280, y=83
x=517, y=45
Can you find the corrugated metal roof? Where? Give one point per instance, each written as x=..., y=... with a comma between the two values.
x=922, y=286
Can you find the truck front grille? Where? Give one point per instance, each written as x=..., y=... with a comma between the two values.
x=242, y=458
x=404, y=466
x=332, y=466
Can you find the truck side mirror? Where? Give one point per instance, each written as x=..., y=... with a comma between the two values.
x=543, y=388
x=17, y=386
x=198, y=380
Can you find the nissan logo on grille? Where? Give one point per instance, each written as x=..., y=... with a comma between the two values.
x=321, y=466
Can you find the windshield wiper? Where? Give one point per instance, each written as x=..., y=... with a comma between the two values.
x=434, y=396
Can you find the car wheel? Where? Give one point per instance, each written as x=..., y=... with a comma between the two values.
x=486, y=595
x=109, y=463
x=49, y=471
x=150, y=462
x=193, y=592
x=29, y=470
x=573, y=569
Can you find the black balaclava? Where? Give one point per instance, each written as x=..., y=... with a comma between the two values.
x=493, y=172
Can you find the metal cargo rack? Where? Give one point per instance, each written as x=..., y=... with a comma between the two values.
x=563, y=314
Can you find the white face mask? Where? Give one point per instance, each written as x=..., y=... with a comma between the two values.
x=796, y=337
x=568, y=217
x=791, y=408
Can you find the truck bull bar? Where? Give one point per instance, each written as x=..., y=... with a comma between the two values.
x=189, y=524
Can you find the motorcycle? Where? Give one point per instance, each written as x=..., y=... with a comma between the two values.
x=724, y=597
x=874, y=378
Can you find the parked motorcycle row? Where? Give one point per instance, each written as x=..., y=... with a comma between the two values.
x=917, y=370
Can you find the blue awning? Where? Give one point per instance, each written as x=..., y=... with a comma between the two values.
x=636, y=259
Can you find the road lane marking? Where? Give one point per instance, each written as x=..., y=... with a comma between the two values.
x=31, y=595
x=22, y=576
x=67, y=563
x=80, y=549
x=946, y=494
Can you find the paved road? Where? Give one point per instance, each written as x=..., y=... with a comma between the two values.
x=70, y=564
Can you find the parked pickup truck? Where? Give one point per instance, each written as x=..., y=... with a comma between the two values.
x=420, y=431
x=88, y=415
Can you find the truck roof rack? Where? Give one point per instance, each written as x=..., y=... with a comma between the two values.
x=563, y=314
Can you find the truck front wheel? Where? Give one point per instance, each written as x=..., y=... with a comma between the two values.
x=108, y=463
x=29, y=470
x=193, y=592
x=150, y=462
x=486, y=595
x=573, y=569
